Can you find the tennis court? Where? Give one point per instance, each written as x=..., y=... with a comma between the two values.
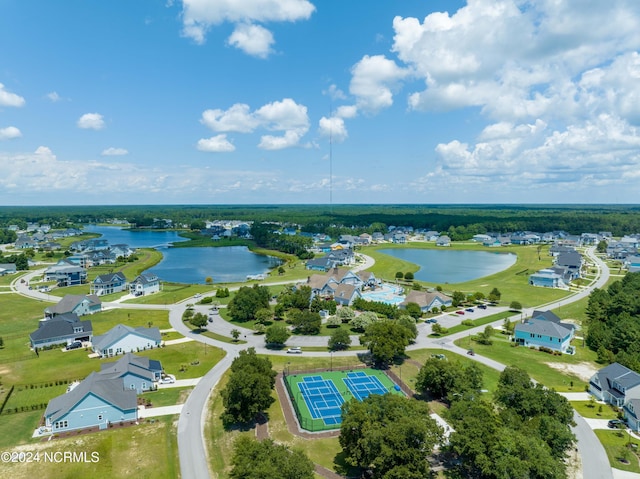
x=318, y=397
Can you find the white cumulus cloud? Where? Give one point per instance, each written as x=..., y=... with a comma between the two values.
x=254, y=40
x=53, y=96
x=10, y=99
x=333, y=128
x=216, y=144
x=9, y=133
x=285, y=116
x=91, y=121
x=374, y=78
x=111, y=151
x=198, y=16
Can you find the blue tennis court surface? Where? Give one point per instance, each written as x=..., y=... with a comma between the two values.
x=322, y=398
x=362, y=385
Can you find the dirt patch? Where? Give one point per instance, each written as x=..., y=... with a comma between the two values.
x=582, y=370
x=4, y=370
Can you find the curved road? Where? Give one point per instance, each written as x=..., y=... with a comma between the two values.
x=191, y=438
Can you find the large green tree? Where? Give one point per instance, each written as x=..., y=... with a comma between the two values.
x=339, y=340
x=248, y=391
x=247, y=301
x=385, y=340
x=388, y=436
x=276, y=335
x=254, y=459
x=448, y=379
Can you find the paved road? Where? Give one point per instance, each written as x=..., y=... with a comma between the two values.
x=191, y=440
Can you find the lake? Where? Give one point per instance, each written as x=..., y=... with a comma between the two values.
x=453, y=266
x=191, y=265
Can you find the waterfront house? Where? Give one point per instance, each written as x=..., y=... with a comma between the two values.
x=75, y=303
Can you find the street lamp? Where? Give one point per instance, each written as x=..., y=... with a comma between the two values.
x=331, y=363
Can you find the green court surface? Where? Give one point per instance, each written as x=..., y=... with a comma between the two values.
x=318, y=397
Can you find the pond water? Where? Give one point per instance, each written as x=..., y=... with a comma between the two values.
x=452, y=266
x=191, y=265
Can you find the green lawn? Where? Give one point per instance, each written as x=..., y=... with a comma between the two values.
x=147, y=451
x=475, y=323
x=167, y=396
x=594, y=410
x=33, y=395
x=618, y=446
x=536, y=362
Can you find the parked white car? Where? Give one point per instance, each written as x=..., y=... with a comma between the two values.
x=295, y=350
x=167, y=380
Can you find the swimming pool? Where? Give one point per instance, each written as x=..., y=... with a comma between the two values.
x=387, y=293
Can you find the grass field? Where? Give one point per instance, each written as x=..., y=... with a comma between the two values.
x=167, y=396
x=147, y=451
x=536, y=363
x=297, y=382
x=475, y=323
x=594, y=410
x=618, y=446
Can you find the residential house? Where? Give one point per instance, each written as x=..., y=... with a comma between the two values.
x=346, y=294
x=443, y=240
x=547, y=278
x=544, y=329
x=108, y=284
x=320, y=264
x=7, y=268
x=76, y=304
x=427, y=300
x=25, y=242
x=615, y=384
x=123, y=339
x=571, y=260
x=481, y=238
x=62, y=329
x=144, y=284
x=137, y=372
x=97, y=401
x=65, y=273
x=631, y=262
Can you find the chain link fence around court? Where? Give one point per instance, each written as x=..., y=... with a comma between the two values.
x=292, y=378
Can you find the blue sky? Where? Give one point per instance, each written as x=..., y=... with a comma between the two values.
x=229, y=101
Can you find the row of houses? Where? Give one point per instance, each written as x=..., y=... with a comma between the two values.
x=106, y=397
x=42, y=238
x=567, y=267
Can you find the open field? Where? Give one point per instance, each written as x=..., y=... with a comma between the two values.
x=569, y=372
x=148, y=450
x=167, y=396
x=592, y=410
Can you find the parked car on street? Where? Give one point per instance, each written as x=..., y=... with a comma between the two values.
x=469, y=310
x=482, y=306
x=460, y=312
x=294, y=350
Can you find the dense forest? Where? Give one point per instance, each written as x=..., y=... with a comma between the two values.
x=614, y=322
x=462, y=220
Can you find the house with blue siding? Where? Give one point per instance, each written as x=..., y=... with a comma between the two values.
x=547, y=278
x=544, y=329
x=66, y=273
x=97, y=401
x=137, y=372
x=75, y=303
x=123, y=339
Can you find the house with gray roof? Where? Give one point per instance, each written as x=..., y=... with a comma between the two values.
x=97, y=401
x=146, y=283
x=108, y=284
x=615, y=384
x=346, y=294
x=7, y=268
x=75, y=303
x=65, y=273
x=544, y=329
x=426, y=300
x=443, y=240
x=124, y=339
x=62, y=329
x=138, y=372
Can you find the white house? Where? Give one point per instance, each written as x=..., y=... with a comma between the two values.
x=144, y=284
